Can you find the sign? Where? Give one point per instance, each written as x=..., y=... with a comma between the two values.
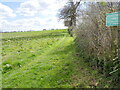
x=67, y=23
x=113, y=19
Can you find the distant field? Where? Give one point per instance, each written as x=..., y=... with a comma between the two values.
x=30, y=34
x=43, y=59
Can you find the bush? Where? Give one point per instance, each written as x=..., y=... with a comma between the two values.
x=96, y=42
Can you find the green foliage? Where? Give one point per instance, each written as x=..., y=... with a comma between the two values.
x=31, y=58
x=103, y=3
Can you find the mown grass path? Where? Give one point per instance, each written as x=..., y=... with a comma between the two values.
x=56, y=65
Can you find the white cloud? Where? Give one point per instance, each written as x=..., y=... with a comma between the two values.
x=43, y=14
x=34, y=24
x=5, y=11
x=44, y=7
x=21, y=25
x=31, y=7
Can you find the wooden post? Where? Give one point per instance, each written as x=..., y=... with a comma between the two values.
x=119, y=33
x=118, y=43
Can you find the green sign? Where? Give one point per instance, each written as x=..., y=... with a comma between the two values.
x=113, y=19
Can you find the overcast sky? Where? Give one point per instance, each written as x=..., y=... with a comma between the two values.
x=30, y=15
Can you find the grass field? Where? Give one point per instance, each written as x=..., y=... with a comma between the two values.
x=44, y=59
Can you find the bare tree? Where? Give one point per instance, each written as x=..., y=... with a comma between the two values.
x=68, y=13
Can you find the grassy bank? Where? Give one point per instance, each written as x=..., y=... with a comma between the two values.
x=44, y=59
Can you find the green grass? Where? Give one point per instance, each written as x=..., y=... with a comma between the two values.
x=44, y=59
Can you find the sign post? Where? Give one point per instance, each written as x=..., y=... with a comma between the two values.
x=113, y=19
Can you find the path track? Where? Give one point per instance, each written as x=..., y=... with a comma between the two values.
x=57, y=67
